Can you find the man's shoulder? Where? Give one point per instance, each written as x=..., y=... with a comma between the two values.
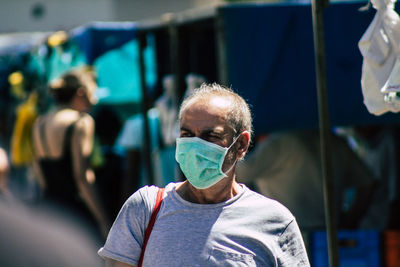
x=146, y=195
x=267, y=206
x=143, y=193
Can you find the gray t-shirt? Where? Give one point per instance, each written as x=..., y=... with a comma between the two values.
x=247, y=230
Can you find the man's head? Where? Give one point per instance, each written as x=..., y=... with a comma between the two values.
x=238, y=112
x=219, y=116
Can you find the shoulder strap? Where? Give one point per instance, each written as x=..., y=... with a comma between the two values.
x=149, y=228
x=42, y=136
x=67, y=138
x=66, y=150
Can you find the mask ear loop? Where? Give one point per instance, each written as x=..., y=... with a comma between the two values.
x=234, y=141
x=233, y=164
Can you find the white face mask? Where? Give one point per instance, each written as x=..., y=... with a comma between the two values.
x=201, y=161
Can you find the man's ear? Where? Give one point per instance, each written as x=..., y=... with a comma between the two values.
x=243, y=144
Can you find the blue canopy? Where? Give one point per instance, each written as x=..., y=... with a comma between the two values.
x=270, y=61
x=118, y=73
x=96, y=38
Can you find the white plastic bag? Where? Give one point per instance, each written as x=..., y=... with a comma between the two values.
x=380, y=49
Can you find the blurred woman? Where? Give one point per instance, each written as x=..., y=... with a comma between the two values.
x=63, y=142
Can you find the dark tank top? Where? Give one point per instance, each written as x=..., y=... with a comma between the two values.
x=58, y=173
x=61, y=191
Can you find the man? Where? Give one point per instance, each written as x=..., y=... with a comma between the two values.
x=209, y=219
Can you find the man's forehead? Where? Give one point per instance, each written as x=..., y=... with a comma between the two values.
x=207, y=114
x=221, y=101
x=214, y=101
x=215, y=105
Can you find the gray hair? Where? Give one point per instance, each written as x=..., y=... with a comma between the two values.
x=239, y=117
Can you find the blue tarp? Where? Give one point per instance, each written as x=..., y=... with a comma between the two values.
x=118, y=73
x=270, y=61
x=112, y=47
x=97, y=38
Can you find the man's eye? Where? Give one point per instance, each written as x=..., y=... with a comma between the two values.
x=185, y=135
x=213, y=138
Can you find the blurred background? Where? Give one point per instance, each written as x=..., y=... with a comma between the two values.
x=28, y=16
x=147, y=56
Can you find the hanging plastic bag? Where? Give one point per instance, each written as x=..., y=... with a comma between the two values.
x=391, y=89
x=379, y=47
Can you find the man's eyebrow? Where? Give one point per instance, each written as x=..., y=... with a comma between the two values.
x=204, y=131
x=212, y=131
x=183, y=128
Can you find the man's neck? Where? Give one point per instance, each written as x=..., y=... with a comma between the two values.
x=222, y=191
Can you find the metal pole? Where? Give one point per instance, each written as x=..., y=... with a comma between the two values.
x=222, y=70
x=176, y=66
x=324, y=125
x=145, y=106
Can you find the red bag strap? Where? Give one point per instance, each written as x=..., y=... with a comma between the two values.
x=149, y=228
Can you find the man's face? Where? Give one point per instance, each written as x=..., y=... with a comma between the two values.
x=206, y=118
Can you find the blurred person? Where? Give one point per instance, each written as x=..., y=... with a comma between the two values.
x=163, y=130
x=21, y=183
x=131, y=140
x=286, y=166
x=167, y=105
x=377, y=147
x=193, y=81
x=4, y=169
x=63, y=141
x=209, y=219
x=107, y=160
x=41, y=238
